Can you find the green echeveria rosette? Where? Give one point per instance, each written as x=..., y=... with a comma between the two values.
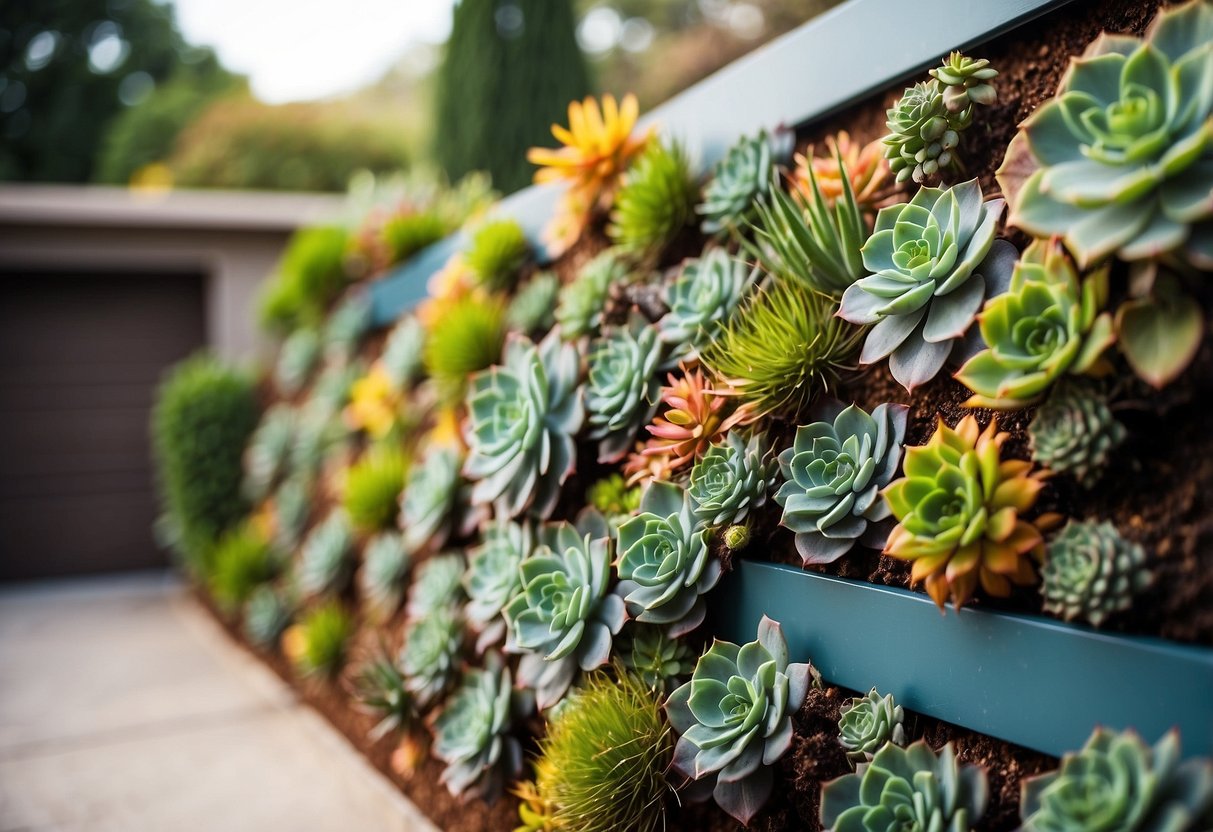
x=430, y=656
x=325, y=565
x=732, y=479
x=734, y=719
x=933, y=261
x=924, y=133
x=472, y=734
x=403, y=351
x=492, y=579
x=438, y=582
x=741, y=177
x=1074, y=432
x=533, y=307
x=664, y=565
x=701, y=299
x=429, y=498
x=385, y=563
x=1092, y=572
x=378, y=688
x=622, y=387
x=833, y=474
x=292, y=506
x=564, y=617
x=867, y=723
x=345, y=327
x=906, y=788
x=580, y=303
x=269, y=450
x=296, y=360
x=656, y=658
x=267, y=613
x=523, y=416
x=1123, y=155
x=1117, y=782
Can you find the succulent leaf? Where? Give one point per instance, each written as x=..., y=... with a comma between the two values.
x=924, y=134
x=296, y=360
x=533, y=308
x=325, y=562
x=403, y=351
x=438, y=584
x=266, y=615
x=269, y=450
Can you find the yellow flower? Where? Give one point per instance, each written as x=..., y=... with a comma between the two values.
x=374, y=403
x=445, y=432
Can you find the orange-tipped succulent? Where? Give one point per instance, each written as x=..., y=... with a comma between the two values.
x=960, y=511
x=864, y=166
x=695, y=418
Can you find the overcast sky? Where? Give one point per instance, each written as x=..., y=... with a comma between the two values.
x=294, y=50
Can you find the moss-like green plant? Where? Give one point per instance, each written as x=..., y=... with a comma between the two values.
x=580, y=303
x=405, y=234
x=437, y=584
x=267, y=613
x=656, y=202
x=1091, y=572
x=372, y=488
x=323, y=635
x=201, y=422
x=701, y=299
x=310, y=275
x=1075, y=432
x=622, y=388
x=563, y=618
x=472, y=733
x=867, y=723
x=664, y=564
x=783, y=350
x=325, y=562
x=385, y=564
x=933, y=261
x=296, y=360
x=269, y=450
x=242, y=561
x=656, y=658
x=740, y=178
x=1048, y=323
x=1120, y=158
x=378, y=688
x=292, y=505
x=345, y=328
x=907, y=788
x=601, y=764
x=402, y=353
x=495, y=257
x=732, y=478
x=734, y=718
x=1118, y=782
x=430, y=657
x=467, y=338
x=532, y=311
x=614, y=498
x=1161, y=325
x=492, y=579
x=522, y=419
x=833, y=474
x=959, y=509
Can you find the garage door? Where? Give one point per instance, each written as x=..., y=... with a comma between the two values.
x=80, y=357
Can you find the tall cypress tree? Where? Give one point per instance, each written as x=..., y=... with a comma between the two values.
x=510, y=70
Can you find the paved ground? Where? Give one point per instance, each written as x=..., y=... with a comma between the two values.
x=124, y=707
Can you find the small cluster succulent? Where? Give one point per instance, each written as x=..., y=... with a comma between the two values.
x=429, y=659
x=933, y=261
x=1118, y=782
x=580, y=303
x=563, y=618
x=907, y=788
x=523, y=415
x=966, y=81
x=267, y=613
x=317, y=644
x=492, y=579
x=694, y=419
x=1090, y=572
x=402, y=352
x=429, y=499
x=655, y=657
x=296, y=360
x=385, y=564
x=614, y=498
x=741, y=177
x=656, y=202
x=665, y=567
x=374, y=405
x=437, y=584
x=960, y=511
x=465, y=339
x=325, y=562
x=622, y=386
x=701, y=300
x=1048, y=323
x=845, y=164
x=378, y=688
x=867, y=723
x=533, y=308
x=345, y=327
x=1074, y=432
x=833, y=474
x=269, y=450
x=472, y=733
x=372, y=488
x=242, y=561
x=784, y=350
x=498, y=251
x=732, y=478
x=734, y=719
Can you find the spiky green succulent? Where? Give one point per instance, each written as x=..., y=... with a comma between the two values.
x=866, y=723
x=833, y=474
x=325, y=559
x=385, y=564
x=622, y=387
x=656, y=201
x=966, y=81
x=266, y=614
x=933, y=261
x=926, y=123
x=372, y=488
x=741, y=177
x=655, y=657
x=472, y=733
x=1118, y=782
x=784, y=350
x=532, y=310
x=346, y=325
x=324, y=635
x=1048, y=323
x=523, y=415
x=292, y=506
x=405, y=234
x=734, y=718
x=580, y=303
x=664, y=565
x=1091, y=572
x=701, y=300
x=429, y=659
x=465, y=339
x=403, y=351
x=378, y=688
x=1075, y=432
x=563, y=618
x=1122, y=157
x=242, y=561
x=428, y=501
x=269, y=450
x=614, y=498
x=732, y=478
x=911, y=789
x=496, y=255
x=437, y=584
x=296, y=360
x=492, y=579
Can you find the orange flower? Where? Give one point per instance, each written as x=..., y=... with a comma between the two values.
x=864, y=166
x=696, y=417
